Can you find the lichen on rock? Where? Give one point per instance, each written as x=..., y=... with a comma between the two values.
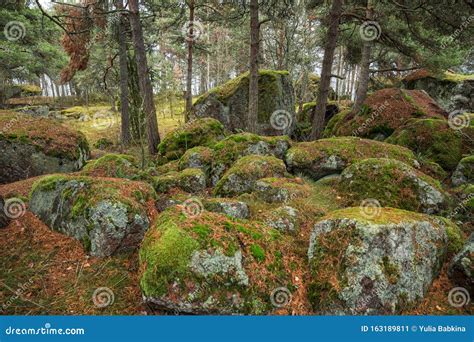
x=242, y=176
x=324, y=157
x=210, y=265
x=107, y=215
x=190, y=180
x=374, y=265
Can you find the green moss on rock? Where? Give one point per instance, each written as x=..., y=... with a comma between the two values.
x=393, y=184
x=190, y=180
x=374, y=264
x=197, y=132
x=434, y=139
x=241, y=177
x=108, y=215
x=328, y=156
x=114, y=166
x=229, y=102
x=200, y=266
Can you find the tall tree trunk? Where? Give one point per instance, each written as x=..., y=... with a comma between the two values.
x=253, y=77
x=124, y=105
x=189, y=76
x=325, y=83
x=146, y=89
x=364, y=69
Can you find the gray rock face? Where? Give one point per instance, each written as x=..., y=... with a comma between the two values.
x=20, y=161
x=229, y=103
x=276, y=148
x=464, y=172
x=4, y=219
x=208, y=266
x=241, y=177
x=235, y=209
x=380, y=268
x=35, y=110
x=284, y=219
x=189, y=180
x=461, y=268
x=106, y=225
x=449, y=95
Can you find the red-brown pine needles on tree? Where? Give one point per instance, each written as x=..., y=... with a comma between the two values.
x=79, y=22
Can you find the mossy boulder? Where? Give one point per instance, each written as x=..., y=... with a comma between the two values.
x=242, y=176
x=279, y=190
x=461, y=268
x=228, y=207
x=393, y=184
x=434, y=139
x=35, y=146
x=211, y=265
x=464, y=172
x=113, y=166
x=324, y=157
x=235, y=146
x=375, y=265
x=284, y=219
x=107, y=215
x=198, y=157
x=229, y=103
x=4, y=219
x=190, y=180
x=451, y=91
x=194, y=133
x=383, y=112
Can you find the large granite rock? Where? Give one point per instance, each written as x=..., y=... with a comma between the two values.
x=107, y=215
x=382, y=264
x=202, y=266
x=383, y=112
x=393, y=184
x=453, y=92
x=229, y=103
x=324, y=157
x=34, y=146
